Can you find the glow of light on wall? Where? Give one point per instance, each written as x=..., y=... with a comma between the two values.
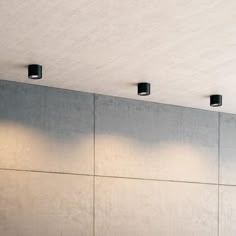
x=25, y=147
x=132, y=157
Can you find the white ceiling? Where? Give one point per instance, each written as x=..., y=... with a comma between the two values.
x=185, y=48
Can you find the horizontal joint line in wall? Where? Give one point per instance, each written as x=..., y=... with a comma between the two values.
x=117, y=177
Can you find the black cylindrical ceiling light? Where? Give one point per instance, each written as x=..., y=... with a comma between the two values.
x=34, y=71
x=216, y=100
x=144, y=89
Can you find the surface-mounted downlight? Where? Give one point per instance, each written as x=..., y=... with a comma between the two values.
x=34, y=71
x=144, y=89
x=215, y=100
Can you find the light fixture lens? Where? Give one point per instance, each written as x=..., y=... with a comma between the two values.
x=33, y=76
x=144, y=89
x=216, y=100
x=34, y=71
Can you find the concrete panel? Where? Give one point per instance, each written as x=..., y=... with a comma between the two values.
x=227, y=211
x=46, y=129
x=227, y=148
x=136, y=208
x=33, y=204
x=148, y=140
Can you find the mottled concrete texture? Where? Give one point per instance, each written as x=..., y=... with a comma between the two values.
x=46, y=129
x=227, y=211
x=227, y=148
x=45, y=204
x=148, y=140
x=139, y=207
x=125, y=167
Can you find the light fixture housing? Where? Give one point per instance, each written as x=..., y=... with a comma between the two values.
x=216, y=100
x=34, y=71
x=144, y=89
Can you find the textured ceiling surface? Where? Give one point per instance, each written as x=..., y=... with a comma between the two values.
x=185, y=49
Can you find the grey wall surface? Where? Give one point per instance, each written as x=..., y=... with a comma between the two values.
x=74, y=163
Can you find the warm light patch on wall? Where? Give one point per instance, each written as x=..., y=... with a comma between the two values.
x=124, y=156
x=26, y=147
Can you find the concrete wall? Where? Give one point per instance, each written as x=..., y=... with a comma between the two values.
x=73, y=163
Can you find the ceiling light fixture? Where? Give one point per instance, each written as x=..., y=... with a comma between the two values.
x=216, y=100
x=34, y=71
x=144, y=89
